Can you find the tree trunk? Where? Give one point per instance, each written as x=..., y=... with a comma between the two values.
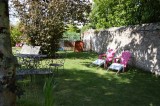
x=7, y=60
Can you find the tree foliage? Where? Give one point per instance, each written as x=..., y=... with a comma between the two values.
x=72, y=28
x=45, y=20
x=72, y=32
x=15, y=34
x=110, y=13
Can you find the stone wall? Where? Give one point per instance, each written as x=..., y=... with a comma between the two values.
x=142, y=40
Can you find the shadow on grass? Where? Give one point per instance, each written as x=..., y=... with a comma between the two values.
x=33, y=90
x=80, y=85
x=84, y=88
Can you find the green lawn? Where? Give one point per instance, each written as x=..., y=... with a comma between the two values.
x=81, y=85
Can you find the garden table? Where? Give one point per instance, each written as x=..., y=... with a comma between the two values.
x=31, y=62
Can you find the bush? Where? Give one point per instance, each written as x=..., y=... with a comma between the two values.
x=15, y=35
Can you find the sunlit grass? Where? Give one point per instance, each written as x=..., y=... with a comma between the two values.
x=81, y=85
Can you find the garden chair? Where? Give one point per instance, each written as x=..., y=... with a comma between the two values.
x=27, y=49
x=104, y=59
x=120, y=63
x=58, y=61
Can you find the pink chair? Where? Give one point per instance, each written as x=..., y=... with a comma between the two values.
x=104, y=58
x=108, y=56
x=123, y=61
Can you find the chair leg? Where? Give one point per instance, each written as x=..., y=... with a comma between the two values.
x=52, y=70
x=56, y=68
x=98, y=66
x=90, y=65
x=107, y=70
x=117, y=72
x=105, y=65
x=123, y=69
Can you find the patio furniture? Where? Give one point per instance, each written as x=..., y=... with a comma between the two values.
x=32, y=65
x=29, y=56
x=30, y=60
x=98, y=62
x=58, y=60
x=105, y=58
x=28, y=49
x=120, y=63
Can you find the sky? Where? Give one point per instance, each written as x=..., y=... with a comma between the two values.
x=13, y=20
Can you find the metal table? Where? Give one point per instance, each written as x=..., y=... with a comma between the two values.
x=31, y=65
x=30, y=61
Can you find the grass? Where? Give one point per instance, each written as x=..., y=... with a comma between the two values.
x=81, y=85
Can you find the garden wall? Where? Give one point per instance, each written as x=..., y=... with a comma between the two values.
x=142, y=40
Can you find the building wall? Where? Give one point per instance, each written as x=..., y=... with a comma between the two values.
x=67, y=45
x=142, y=40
